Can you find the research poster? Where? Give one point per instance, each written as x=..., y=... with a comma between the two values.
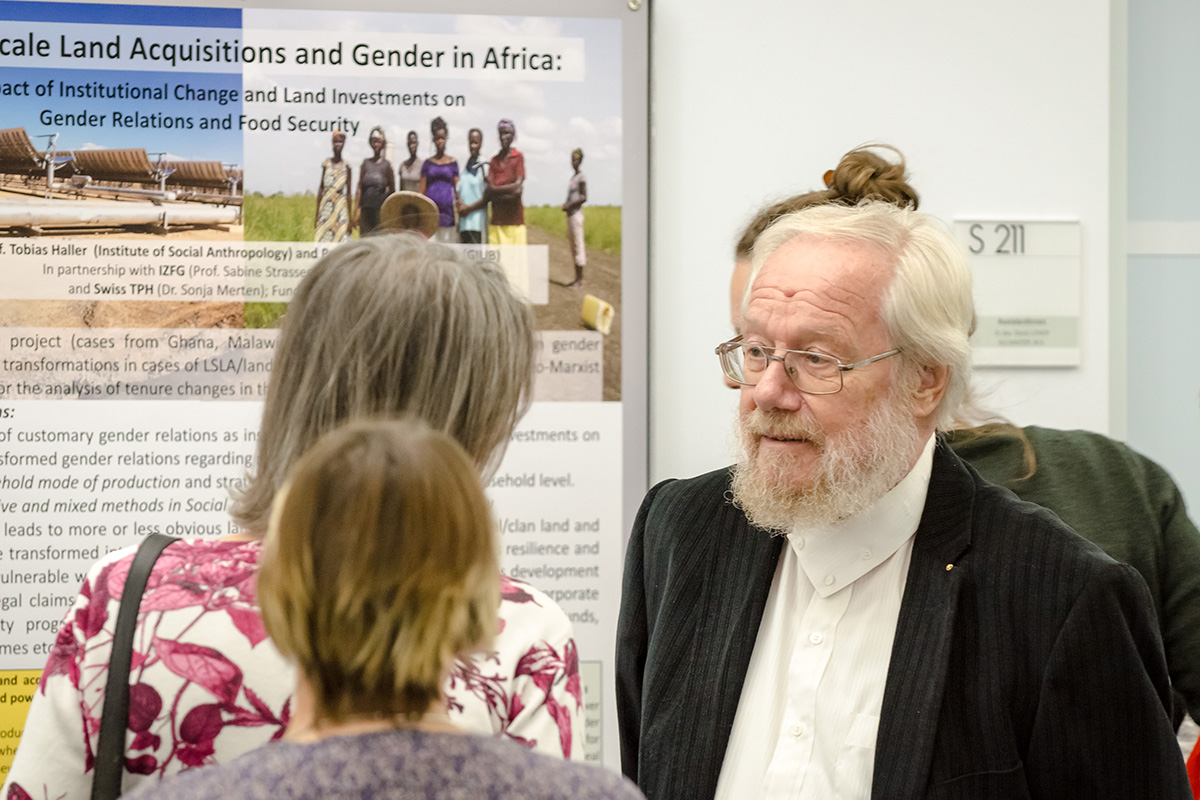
x=167, y=176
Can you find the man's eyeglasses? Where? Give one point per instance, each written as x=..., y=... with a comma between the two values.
x=811, y=373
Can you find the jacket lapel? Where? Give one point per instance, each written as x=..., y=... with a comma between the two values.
x=736, y=577
x=916, y=677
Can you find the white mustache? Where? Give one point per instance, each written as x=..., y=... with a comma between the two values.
x=782, y=426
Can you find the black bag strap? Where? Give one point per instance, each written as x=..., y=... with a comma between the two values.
x=114, y=718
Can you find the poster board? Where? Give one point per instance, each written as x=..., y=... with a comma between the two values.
x=157, y=208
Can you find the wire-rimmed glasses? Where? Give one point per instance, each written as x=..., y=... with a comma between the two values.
x=812, y=373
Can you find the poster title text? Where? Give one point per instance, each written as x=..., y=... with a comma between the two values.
x=413, y=55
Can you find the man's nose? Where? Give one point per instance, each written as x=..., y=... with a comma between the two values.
x=775, y=390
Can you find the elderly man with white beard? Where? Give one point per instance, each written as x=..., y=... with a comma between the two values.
x=851, y=611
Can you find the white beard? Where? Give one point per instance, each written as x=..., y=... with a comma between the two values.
x=853, y=471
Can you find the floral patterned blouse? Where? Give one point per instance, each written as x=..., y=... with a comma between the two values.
x=207, y=685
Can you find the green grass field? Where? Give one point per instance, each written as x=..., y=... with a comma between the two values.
x=279, y=218
x=289, y=218
x=601, y=226
x=262, y=315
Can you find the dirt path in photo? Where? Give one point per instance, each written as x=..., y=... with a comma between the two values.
x=118, y=314
x=602, y=278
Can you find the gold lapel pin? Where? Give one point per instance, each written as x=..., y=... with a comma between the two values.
x=949, y=567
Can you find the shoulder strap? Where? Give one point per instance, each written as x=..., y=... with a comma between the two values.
x=114, y=718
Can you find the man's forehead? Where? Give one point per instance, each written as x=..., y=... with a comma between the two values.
x=819, y=288
x=842, y=268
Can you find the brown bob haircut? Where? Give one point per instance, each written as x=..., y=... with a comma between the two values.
x=380, y=568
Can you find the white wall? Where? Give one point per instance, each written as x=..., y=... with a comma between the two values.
x=1002, y=112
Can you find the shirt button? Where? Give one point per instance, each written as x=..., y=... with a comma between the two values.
x=798, y=542
x=816, y=637
x=829, y=579
x=866, y=554
x=797, y=730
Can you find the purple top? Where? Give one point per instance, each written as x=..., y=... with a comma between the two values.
x=395, y=765
x=439, y=187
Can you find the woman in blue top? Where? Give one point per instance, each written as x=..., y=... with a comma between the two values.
x=472, y=207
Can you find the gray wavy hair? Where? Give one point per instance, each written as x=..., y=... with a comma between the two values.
x=928, y=308
x=392, y=325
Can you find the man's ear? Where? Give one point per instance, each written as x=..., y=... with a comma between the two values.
x=928, y=395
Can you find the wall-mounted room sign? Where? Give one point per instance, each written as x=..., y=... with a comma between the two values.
x=1027, y=291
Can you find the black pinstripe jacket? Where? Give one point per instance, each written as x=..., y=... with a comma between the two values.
x=1032, y=669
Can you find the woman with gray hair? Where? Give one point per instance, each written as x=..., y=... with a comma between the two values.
x=379, y=327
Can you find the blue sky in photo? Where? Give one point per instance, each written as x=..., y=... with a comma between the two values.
x=193, y=145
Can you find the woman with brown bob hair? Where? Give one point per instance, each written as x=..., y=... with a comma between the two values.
x=379, y=327
x=379, y=570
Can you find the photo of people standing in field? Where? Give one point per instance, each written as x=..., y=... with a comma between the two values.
x=494, y=152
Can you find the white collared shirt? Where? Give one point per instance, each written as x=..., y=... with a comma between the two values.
x=809, y=711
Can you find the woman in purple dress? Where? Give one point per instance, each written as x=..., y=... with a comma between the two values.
x=439, y=182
